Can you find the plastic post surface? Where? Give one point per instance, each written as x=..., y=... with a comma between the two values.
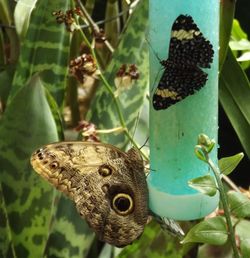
x=174, y=131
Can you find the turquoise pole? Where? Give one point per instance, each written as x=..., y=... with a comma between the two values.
x=174, y=131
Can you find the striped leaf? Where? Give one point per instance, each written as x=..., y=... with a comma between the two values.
x=26, y=199
x=44, y=49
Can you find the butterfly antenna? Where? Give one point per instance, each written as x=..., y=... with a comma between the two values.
x=144, y=144
x=136, y=124
x=158, y=60
x=153, y=50
x=156, y=77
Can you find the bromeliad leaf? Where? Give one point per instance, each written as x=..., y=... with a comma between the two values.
x=204, y=184
x=77, y=241
x=228, y=164
x=235, y=102
x=226, y=20
x=6, y=244
x=239, y=204
x=26, y=124
x=212, y=231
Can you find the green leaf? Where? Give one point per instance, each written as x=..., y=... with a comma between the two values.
x=234, y=97
x=2, y=50
x=242, y=44
x=242, y=230
x=228, y=164
x=27, y=200
x=112, y=28
x=6, y=244
x=239, y=204
x=211, y=146
x=244, y=57
x=70, y=236
x=198, y=150
x=6, y=77
x=211, y=231
x=245, y=247
x=237, y=33
x=5, y=12
x=22, y=14
x=227, y=8
x=56, y=114
x=204, y=184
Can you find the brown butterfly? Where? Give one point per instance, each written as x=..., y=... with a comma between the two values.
x=107, y=185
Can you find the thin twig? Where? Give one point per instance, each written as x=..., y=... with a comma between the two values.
x=230, y=183
x=93, y=25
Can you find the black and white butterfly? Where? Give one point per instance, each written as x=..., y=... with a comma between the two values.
x=189, y=51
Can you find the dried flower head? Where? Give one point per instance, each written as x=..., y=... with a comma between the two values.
x=68, y=18
x=99, y=37
x=83, y=66
x=125, y=77
x=88, y=130
x=133, y=72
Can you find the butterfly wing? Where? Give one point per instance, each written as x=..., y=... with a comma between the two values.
x=188, y=47
x=107, y=185
x=188, y=52
x=176, y=84
x=169, y=225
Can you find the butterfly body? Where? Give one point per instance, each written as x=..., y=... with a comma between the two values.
x=107, y=185
x=189, y=51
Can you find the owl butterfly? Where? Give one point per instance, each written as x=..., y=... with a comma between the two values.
x=108, y=186
x=189, y=51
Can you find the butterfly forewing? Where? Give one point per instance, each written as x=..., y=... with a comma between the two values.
x=188, y=47
x=188, y=51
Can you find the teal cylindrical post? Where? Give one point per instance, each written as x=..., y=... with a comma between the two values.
x=174, y=130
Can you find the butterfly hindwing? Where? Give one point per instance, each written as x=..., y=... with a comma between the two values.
x=176, y=84
x=188, y=52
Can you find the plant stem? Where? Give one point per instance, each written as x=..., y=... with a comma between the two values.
x=225, y=205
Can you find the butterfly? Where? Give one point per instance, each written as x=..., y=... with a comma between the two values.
x=189, y=51
x=107, y=185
